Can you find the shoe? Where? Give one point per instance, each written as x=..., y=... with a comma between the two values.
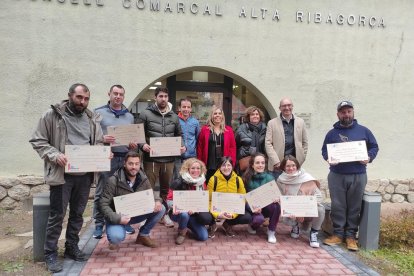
x=73, y=252
x=52, y=263
x=212, y=230
x=129, y=229
x=228, y=229
x=265, y=222
x=113, y=246
x=351, y=244
x=333, y=240
x=271, y=236
x=250, y=230
x=146, y=241
x=313, y=239
x=181, y=236
x=294, y=233
x=167, y=221
x=97, y=234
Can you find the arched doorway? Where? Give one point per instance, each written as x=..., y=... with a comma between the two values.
x=205, y=89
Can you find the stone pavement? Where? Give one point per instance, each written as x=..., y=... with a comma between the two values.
x=241, y=255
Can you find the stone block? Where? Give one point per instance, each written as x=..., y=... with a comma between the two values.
x=412, y=185
x=410, y=197
x=372, y=186
x=390, y=189
x=3, y=192
x=9, y=203
x=397, y=198
x=39, y=189
x=31, y=180
x=386, y=197
x=19, y=192
x=8, y=182
x=402, y=189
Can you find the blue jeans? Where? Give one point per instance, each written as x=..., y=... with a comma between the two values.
x=189, y=221
x=116, y=232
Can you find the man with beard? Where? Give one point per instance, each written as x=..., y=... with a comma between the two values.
x=126, y=180
x=285, y=135
x=160, y=121
x=67, y=123
x=347, y=181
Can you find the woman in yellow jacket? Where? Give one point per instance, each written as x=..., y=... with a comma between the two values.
x=225, y=180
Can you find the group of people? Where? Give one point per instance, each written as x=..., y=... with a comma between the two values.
x=213, y=158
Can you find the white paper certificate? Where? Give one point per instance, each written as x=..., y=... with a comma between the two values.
x=298, y=206
x=196, y=201
x=165, y=146
x=263, y=196
x=87, y=158
x=135, y=204
x=228, y=202
x=125, y=134
x=347, y=152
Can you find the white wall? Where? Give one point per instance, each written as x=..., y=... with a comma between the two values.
x=47, y=45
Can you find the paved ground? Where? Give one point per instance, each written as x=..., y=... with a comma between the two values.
x=242, y=255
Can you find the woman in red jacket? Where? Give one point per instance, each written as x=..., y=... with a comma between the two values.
x=215, y=141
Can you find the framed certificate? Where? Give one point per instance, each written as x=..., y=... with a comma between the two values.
x=165, y=146
x=347, y=152
x=87, y=158
x=299, y=206
x=135, y=204
x=263, y=196
x=228, y=202
x=125, y=134
x=196, y=201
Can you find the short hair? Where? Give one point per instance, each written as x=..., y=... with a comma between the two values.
x=250, y=110
x=131, y=154
x=160, y=89
x=117, y=86
x=185, y=100
x=210, y=120
x=223, y=160
x=189, y=162
x=289, y=158
x=73, y=87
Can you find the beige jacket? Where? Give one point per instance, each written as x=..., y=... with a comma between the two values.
x=275, y=141
x=50, y=136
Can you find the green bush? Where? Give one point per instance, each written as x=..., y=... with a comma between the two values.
x=397, y=232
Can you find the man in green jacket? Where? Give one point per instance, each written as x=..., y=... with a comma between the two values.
x=127, y=180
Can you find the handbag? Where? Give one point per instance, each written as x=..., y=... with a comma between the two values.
x=244, y=163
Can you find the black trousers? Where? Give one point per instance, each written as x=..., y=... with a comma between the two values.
x=74, y=192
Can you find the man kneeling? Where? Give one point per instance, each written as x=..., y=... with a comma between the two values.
x=126, y=180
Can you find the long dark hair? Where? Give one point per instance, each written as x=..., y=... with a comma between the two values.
x=248, y=174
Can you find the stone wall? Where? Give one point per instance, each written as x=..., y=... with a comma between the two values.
x=14, y=191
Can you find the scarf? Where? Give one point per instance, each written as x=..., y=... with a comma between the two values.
x=298, y=180
x=197, y=182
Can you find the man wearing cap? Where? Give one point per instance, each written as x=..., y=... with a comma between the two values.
x=285, y=135
x=347, y=181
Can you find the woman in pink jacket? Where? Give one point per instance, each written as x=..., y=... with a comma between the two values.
x=215, y=141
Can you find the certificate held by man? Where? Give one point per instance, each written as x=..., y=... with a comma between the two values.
x=228, y=202
x=347, y=152
x=165, y=146
x=135, y=204
x=126, y=134
x=195, y=201
x=298, y=206
x=263, y=196
x=87, y=158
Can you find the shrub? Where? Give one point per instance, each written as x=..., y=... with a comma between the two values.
x=397, y=232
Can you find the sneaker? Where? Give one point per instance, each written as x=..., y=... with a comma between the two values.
x=212, y=230
x=167, y=221
x=271, y=236
x=250, y=230
x=294, y=233
x=228, y=229
x=73, y=252
x=97, y=234
x=181, y=236
x=333, y=240
x=313, y=239
x=351, y=244
x=146, y=241
x=129, y=229
x=52, y=263
x=113, y=246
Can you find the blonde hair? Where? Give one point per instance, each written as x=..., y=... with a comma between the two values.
x=210, y=120
x=189, y=162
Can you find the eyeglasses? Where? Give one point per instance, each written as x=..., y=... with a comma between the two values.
x=287, y=105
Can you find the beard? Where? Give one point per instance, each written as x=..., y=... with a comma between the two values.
x=76, y=108
x=131, y=173
x=346, y=121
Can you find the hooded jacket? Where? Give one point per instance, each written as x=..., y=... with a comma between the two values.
x=50, y=136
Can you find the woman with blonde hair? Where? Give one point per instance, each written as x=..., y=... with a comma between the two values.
x=215, y=141
x=192, y=177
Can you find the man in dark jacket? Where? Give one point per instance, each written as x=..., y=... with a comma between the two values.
x=127, y=180
x=160, y=121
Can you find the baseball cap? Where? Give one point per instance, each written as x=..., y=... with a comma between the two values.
x=344, y=103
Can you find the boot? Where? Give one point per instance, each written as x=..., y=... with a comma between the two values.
x=181, y=236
